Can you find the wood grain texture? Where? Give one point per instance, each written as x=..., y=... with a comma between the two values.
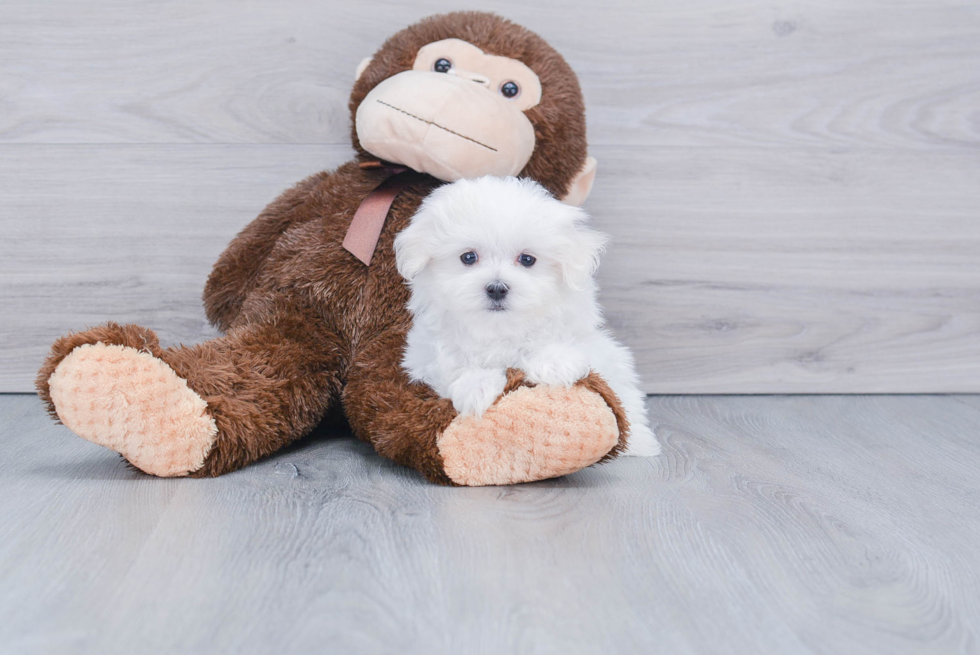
x=787, y=524
x=813, y=73
x=127, y=233
x=791, y=187
x=805, y=271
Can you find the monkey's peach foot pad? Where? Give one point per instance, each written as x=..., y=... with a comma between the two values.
x=133, y=403
x=532, y=433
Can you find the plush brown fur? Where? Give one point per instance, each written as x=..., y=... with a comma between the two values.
x=307, y=325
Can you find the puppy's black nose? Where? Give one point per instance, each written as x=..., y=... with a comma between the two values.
x=497, y=291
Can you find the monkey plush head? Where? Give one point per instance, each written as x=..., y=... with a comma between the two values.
x=468, y=94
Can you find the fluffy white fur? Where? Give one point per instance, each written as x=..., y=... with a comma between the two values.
x=549, y=323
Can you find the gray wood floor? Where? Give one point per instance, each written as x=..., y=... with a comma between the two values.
x=771, y=524
x=791, y=185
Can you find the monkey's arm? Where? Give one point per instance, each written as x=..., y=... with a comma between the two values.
x=236, y=272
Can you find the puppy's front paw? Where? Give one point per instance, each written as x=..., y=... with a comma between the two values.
x=474, y=391
x=557, y=365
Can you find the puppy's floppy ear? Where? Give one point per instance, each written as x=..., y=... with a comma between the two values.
x=412, y=251
x=580, y=252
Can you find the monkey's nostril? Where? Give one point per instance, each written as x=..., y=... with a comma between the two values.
x=496, y=291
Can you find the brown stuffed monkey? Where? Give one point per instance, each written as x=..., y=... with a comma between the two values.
x=309, y=325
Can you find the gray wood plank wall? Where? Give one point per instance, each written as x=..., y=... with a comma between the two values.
x=793, y=189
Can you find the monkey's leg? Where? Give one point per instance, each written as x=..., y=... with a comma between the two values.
x=202, y=410
x=530, y=433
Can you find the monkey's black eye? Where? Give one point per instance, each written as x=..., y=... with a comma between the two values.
x=509, y=89
x=442, y=65
x=469, y=258
x=526, y=260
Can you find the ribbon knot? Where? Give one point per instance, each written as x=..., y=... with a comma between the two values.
x=365, y=228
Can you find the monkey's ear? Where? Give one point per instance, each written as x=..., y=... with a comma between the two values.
x=582, y=184
x=361, y=66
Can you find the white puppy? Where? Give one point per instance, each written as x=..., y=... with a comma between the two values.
x=501, y=275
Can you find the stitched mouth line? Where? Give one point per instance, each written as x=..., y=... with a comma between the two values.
x=427, y=122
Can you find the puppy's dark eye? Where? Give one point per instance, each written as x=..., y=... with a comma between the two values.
x=469, y=258
x=442, y=65
x=526, y=260
x=509, y=89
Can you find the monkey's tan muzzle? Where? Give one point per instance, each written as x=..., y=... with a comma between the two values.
x=447, y=126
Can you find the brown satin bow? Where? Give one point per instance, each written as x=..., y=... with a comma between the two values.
x=369, y=219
